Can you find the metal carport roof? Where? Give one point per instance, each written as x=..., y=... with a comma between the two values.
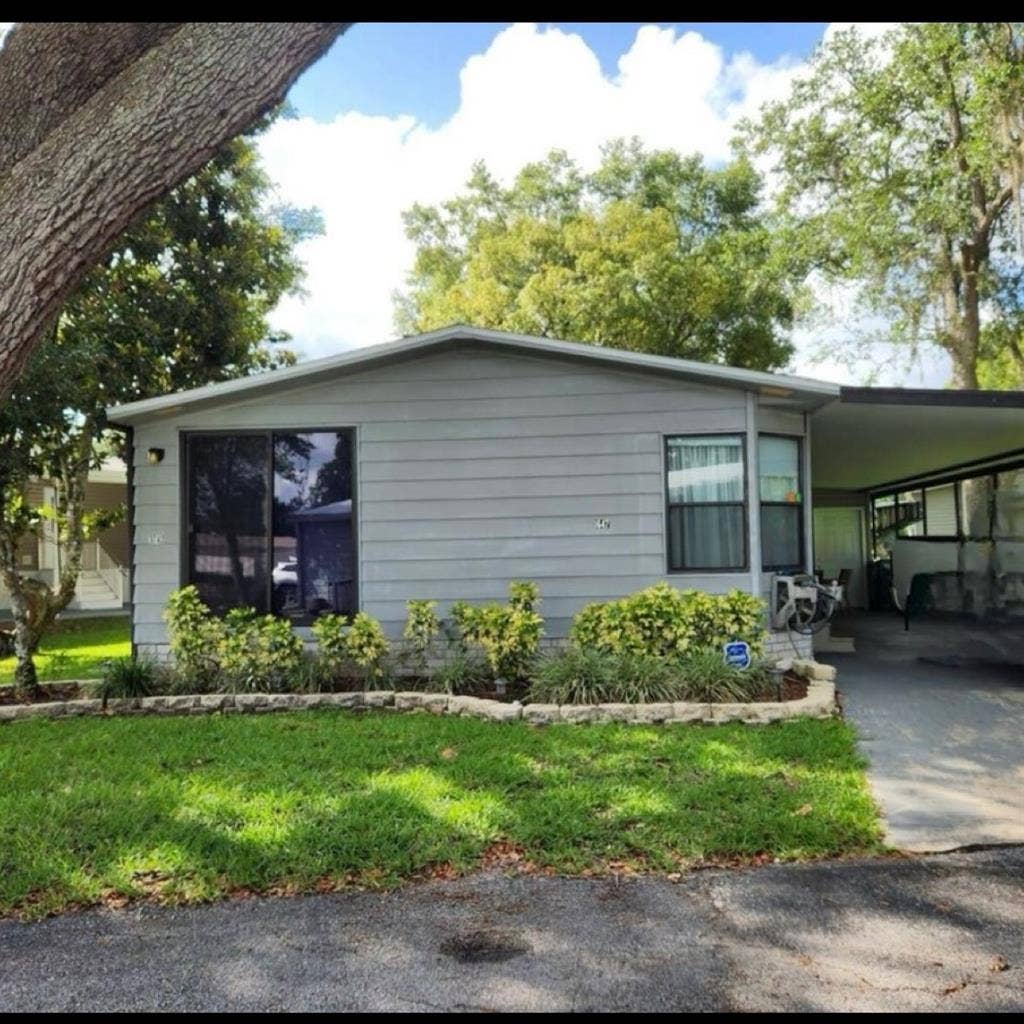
x=872, y=438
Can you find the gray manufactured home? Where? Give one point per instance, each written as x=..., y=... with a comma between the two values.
x=447, y=464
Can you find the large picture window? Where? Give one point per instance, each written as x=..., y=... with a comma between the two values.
x=782, y=514
x=269, y=521
x=706, y=486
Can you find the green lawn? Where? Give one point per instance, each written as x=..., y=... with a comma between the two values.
x=77, y=648
x=189, y=808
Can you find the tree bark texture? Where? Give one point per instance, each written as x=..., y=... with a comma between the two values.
x=102, y=120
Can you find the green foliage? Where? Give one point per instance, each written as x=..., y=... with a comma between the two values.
x=367, y=646
x=588, y=676
x=127, y=677
x=652, y=252
x=243, y=651
x=462, y=673
x=329, y=631
x=900, y=167
x=508, y=635
x=182, y=299
x=667, y=622
x=258, y=653
x=195, y=636
x=1001, y=352
x=705, y=677
x=422, y=627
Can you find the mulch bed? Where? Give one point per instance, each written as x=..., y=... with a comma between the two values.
x=794, y=687
x=47, y=692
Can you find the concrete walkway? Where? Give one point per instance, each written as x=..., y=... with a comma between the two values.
x=944, y=735
x=931, y=933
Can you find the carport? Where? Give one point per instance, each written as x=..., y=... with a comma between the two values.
x=922, y=483
x=921, y=493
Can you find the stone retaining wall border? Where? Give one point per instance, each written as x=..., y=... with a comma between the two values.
x=820, y=702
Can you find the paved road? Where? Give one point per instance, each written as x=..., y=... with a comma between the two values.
x=944, y=737
x=930, y=933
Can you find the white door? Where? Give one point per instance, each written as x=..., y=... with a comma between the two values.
x=839, y=544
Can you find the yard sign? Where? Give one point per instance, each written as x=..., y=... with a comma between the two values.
x=737, y=654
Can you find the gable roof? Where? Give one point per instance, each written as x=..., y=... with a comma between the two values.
x=813, y=392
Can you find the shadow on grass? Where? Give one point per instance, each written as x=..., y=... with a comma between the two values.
x=188, y=808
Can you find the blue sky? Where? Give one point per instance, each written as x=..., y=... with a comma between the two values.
x=391, y=68
x=396, y=114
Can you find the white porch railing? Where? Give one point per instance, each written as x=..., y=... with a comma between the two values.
x=113, y=573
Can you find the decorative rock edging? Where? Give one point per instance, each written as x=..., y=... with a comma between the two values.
x=820, y=702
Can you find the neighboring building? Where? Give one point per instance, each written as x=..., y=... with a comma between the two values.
x=103, y=583
x=445, y=465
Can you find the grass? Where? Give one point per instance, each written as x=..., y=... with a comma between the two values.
x=186, y=809
x=77, y=648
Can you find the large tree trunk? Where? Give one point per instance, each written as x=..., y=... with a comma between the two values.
x=101, y=120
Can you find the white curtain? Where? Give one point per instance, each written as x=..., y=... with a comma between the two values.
x=705, y=470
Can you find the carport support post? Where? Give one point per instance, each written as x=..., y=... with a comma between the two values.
x=754, y=497
x=808, y=490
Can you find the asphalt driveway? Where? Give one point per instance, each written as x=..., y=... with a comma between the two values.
x=928, y=933
x=940, y=712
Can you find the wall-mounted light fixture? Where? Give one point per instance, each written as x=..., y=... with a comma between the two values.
x=155, y=455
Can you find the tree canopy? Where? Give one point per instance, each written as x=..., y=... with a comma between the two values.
x=652, y=251
x=900, y=163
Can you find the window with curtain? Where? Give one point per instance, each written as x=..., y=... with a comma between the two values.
x=782, y=513
x=706, y=487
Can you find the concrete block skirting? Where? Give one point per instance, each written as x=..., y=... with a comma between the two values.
x=820, y=702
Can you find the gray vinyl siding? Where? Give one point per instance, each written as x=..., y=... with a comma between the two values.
x=474, y=469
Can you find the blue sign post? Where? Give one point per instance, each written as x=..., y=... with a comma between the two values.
x=737, y=654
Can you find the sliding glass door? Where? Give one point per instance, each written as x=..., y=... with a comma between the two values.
x=269, y=520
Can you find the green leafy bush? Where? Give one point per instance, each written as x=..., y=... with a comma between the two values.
x=421, y=629
x=329, y=631
x=507, y=634
x=127, y=677
x=587, y=676
x=368, y=647
x=195, y=639
x=667, y=622
x=258, y=653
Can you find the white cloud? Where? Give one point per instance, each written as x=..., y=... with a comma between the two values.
x=532, y=90
x=5, y=27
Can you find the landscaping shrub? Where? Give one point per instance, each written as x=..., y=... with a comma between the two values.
x=667, y=622
x=360, y=648
x=507, y=634
x=127, y=677
x=329, y=631
x=421, y=629
x=368, y=647
x=258, y=653
x=195, y=640
x=586, y=676
x=704, y=677
x=316, y=674
x=462, y=674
